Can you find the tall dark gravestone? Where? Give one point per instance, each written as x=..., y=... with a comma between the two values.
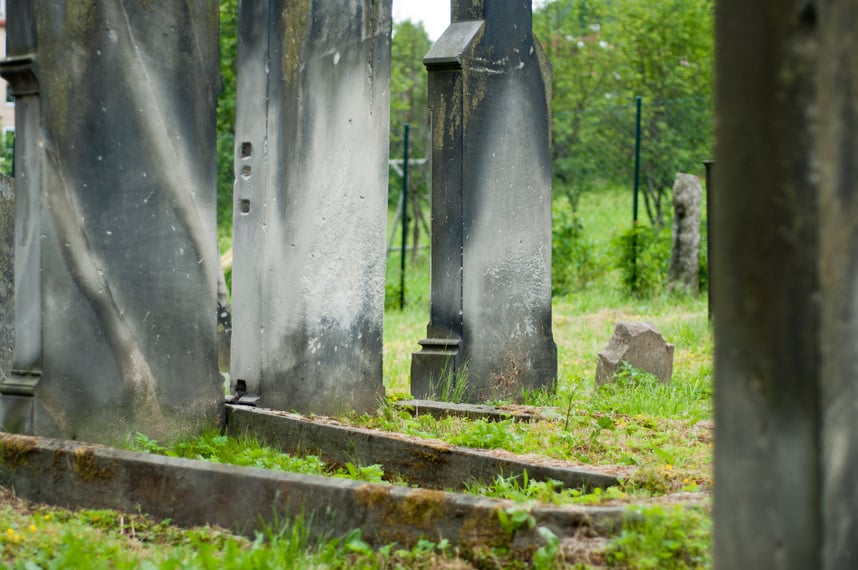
x=489, y=334
x=786, y=284
x=311, y=204
x=116, y=254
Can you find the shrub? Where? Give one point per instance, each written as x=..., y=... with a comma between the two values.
x=574, y=263
x=643, y=259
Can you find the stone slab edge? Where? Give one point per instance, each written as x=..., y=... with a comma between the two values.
x=433, y=464
x=242, y=499
x=442, y=410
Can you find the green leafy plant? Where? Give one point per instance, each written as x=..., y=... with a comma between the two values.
x=488, y=435
x=574, y=264
x=547, y=556
x=515, y=518
x=643, y=259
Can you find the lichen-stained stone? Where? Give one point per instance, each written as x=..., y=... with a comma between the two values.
x=489, y=334
x=115, y=158
x=684, y=273
x=311, y=203
x=7, y=273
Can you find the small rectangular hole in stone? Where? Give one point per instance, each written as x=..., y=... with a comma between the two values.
x=246, y=150
x=244, y=206
x=246, y=171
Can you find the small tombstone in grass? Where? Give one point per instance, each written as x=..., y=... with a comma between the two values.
x=639, y=345
x=685, y=256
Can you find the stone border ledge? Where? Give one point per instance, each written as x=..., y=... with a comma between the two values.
x=430, y=464
x=441, y=410
x=241, y=499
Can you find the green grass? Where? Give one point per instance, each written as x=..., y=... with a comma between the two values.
x=248, y=452
x=93, y=539
x=663, y=538
x=650, y=428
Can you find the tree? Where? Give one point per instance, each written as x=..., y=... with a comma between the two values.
x=607, y=52
x=409, y=104
x=226, y=114
x=666, y=55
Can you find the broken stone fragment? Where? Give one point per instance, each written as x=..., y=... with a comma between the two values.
x=641, y=346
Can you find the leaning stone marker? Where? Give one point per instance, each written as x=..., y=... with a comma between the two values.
x=685, y=256
x=489, y=334
x=311, y=204
x=639, y=345
x=116, y=259
x=7, y=274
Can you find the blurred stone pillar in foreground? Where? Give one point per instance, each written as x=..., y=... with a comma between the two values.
x=786, y=285
x=311, y=204
x=116, y=253
x=489, y=334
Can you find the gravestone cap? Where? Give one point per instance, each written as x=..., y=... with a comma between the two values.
x=450, y=49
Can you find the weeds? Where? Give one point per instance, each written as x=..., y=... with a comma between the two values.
x=663, y=538
x=248, y=452
x=452, y=386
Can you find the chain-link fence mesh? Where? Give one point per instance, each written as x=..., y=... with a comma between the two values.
x=595, y=148
x=419, y=173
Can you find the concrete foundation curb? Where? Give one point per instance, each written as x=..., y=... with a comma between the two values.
x=431, y=464
x=190, y=493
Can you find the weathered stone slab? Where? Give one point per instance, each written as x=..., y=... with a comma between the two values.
x=431, y=464
x=641, y=346
x=242, y=499
x=116, y=266
x=471, y=411
x=489, y=334
x=311, y=203
x=7, y=273
x=684, y=270
x=785, y=357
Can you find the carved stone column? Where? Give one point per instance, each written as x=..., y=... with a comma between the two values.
x=489, y=333
x=311, y=204
x=116, y=256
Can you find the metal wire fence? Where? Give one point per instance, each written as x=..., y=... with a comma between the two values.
x=595, y=148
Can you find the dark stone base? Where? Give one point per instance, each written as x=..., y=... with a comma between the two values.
x=436, y=369
x=16, y=414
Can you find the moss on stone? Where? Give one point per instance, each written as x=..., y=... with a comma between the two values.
x=296, y=19
x=80, y=17
x=86, y=465
x=400, y=518
x=15, y=449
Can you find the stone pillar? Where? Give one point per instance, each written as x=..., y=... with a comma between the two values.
x=838, y=225
x=489, y=333
x=684, y=271
x=786, y=217
x=7, y=274
x=116, y=255
x=311, y=204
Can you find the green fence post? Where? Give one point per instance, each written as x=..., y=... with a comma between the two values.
x=404, y=219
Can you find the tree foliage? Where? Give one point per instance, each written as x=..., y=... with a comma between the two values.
x=226, y=112
x=606, y=53
x=409, y=105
